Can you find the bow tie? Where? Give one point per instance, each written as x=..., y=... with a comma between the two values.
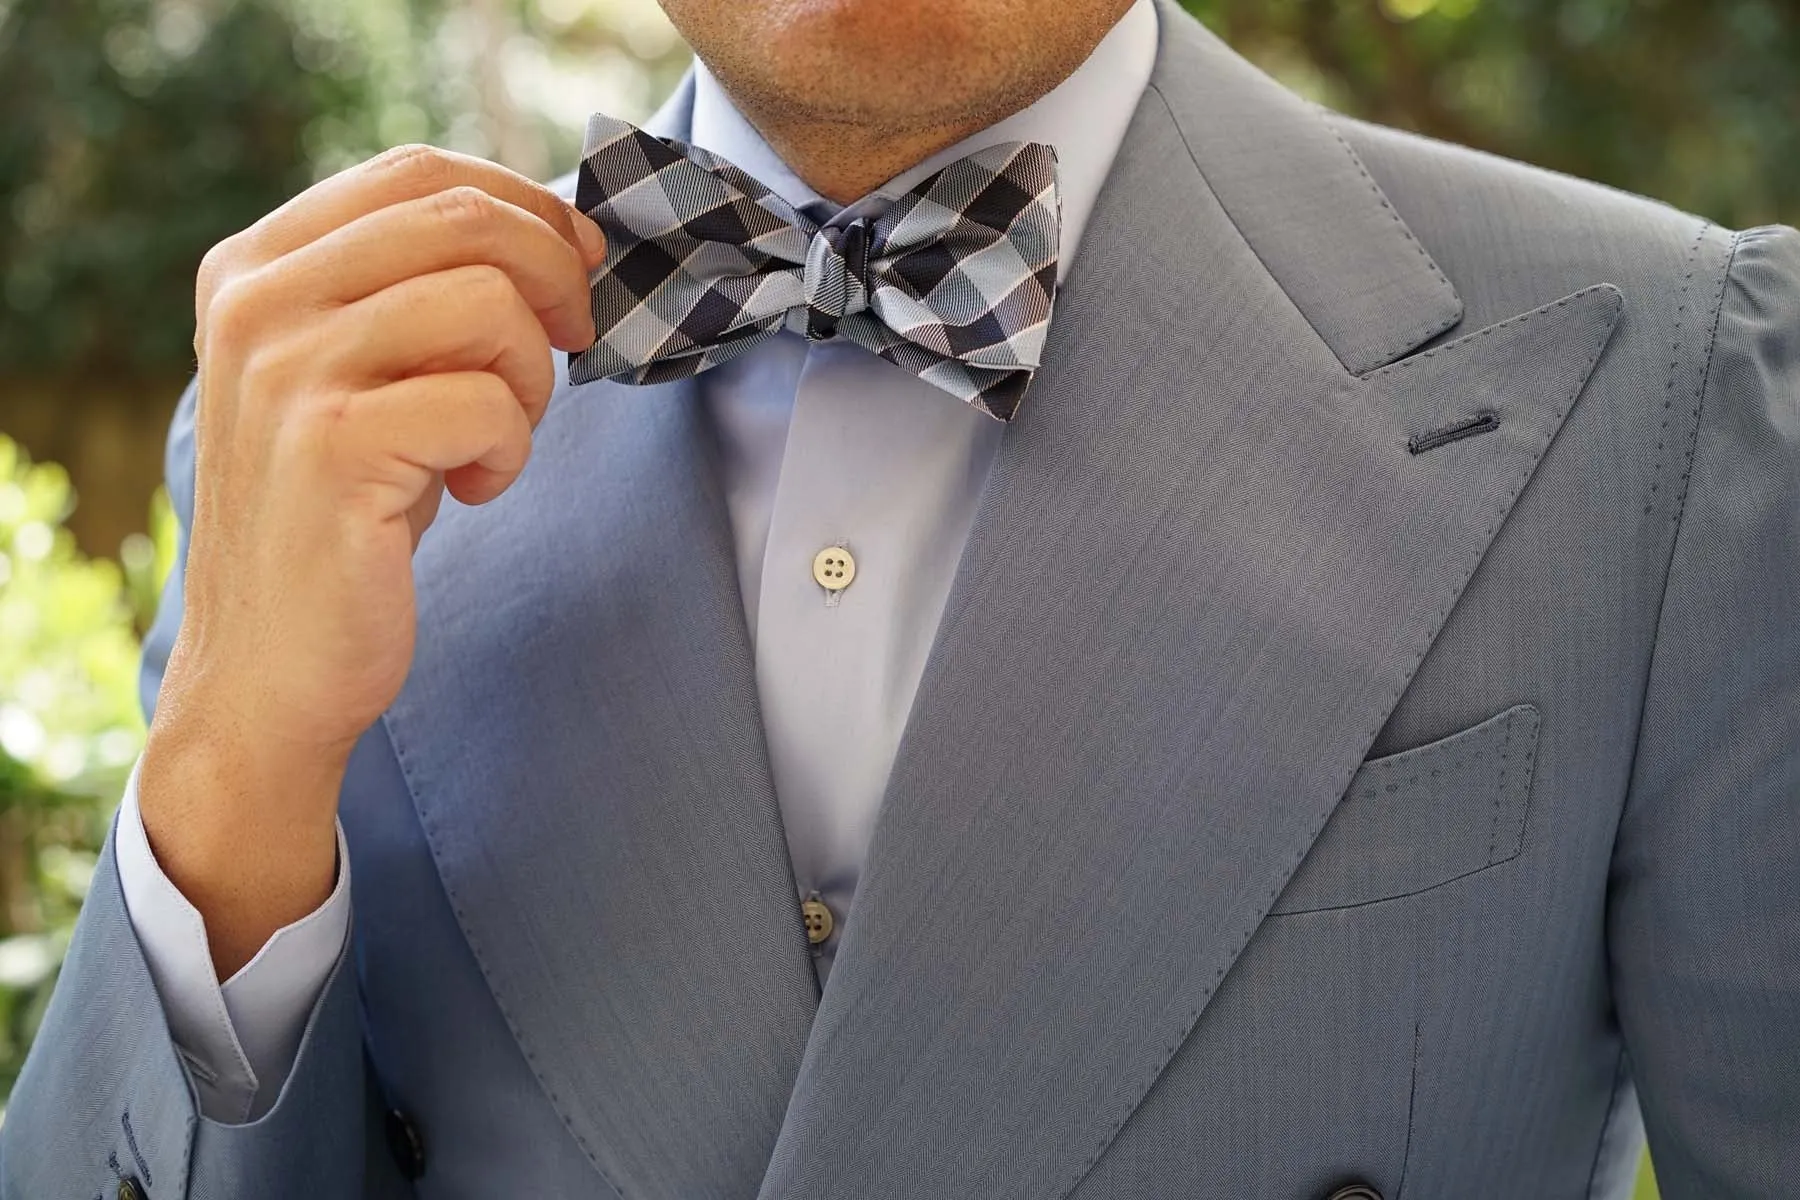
x=952, y=281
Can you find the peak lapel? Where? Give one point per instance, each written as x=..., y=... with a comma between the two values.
x=1204, y=570
x=1297, y=193
x=581, y=739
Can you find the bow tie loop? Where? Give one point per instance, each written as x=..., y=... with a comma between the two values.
x=952, y=282
x=836, y=279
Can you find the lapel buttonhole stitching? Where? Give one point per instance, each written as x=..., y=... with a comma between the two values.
x=1484, y=421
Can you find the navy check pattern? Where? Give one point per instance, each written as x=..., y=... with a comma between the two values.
x=953, y=281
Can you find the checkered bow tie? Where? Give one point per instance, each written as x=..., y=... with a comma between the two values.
x=952, y=281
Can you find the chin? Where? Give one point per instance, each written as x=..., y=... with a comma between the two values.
x=934, y=37
x=859, y=59
x=895, y=64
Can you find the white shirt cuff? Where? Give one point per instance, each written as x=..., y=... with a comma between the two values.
x=240, y=1040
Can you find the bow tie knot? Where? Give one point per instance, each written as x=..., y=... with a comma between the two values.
x=952, y=282
x=836, y=281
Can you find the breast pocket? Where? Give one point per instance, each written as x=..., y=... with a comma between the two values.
x=1423, y=817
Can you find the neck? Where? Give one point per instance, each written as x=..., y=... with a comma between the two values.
x=846, y=135
x=845, y=161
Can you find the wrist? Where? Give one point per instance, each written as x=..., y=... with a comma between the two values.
x=245, y=830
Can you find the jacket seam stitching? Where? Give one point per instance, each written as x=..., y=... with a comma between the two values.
x=1675, y=361
x=1412, y=1100
x=184, y=1169
x=1428, y=329
x=1718, y=307
x=1411, y=361
x=1529, y=741
x=1712, y=345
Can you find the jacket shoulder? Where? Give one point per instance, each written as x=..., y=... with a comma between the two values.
x=1512, y=236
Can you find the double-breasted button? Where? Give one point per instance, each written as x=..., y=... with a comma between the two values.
x=1355, y=1191
x=405, y=1144
x=129, y=1189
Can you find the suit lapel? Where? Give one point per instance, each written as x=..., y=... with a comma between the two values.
x=1203, y=572
x=581, y=739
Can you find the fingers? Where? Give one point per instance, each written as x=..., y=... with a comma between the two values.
x=403, y=174
x=410, y=173
x=466, y=425
x=463, y=226
x=464, y=319
x=421, y=273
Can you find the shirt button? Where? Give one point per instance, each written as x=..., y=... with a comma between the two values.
x=817, y=917
x=833, y=568
x=129, y=1190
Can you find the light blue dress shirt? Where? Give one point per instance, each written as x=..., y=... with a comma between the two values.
x=821, y=444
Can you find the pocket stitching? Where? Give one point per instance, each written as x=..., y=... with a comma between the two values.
x=1379, y=768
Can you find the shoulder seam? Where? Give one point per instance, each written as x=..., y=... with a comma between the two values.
x=1687, y=463
x=1712, y=338
x=1662, y=596
x=1676, y=361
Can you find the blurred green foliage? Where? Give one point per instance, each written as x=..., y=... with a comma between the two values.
x=69, y=723
x=134, y=134
x=1696, y=104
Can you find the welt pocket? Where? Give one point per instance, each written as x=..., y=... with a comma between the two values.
x=1422, y=817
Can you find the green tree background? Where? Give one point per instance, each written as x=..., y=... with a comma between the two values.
x=136, y=133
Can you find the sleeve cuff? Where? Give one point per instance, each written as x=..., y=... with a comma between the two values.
x=238, y=1040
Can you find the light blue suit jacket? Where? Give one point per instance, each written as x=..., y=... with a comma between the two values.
x=1293, y=796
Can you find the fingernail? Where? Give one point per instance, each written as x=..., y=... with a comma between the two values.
x=593, y=242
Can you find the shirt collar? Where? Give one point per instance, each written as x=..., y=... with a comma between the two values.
x=1084, y=118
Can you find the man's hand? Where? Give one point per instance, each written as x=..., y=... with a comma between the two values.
x=381, y=338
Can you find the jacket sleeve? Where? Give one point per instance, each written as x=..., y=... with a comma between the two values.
x=1704, y=909
x=106, y=1094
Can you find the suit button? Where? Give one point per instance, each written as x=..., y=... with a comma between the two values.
x=129, y=1190
x=1356, y=1191
x=405, y=1145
